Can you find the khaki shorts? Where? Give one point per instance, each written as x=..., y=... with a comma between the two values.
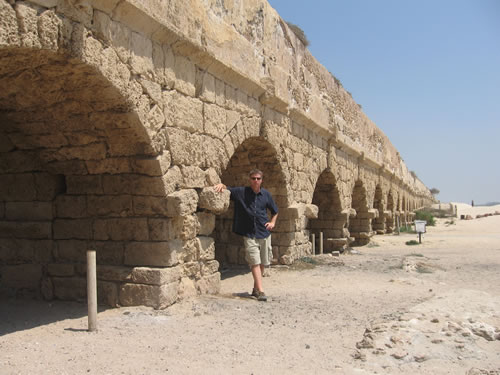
x=258, y=251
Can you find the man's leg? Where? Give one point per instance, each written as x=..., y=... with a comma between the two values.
x=257, y=277
x=252, y=254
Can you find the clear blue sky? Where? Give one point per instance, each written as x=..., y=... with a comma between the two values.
x=427, y=73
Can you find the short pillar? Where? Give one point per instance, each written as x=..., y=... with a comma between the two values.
x=313, y=240
x=92, y=290
x=321, y=242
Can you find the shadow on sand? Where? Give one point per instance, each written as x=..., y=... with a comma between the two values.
x=20, y=314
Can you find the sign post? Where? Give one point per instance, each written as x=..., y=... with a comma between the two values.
x=420, y=228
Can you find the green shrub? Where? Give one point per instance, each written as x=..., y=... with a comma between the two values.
x=427, y=216
x=405, y=229
x=411, y=242
x=299, y=33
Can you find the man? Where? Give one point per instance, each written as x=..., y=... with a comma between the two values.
x=252, y=222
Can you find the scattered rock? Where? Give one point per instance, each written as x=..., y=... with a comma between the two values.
x=399, y=354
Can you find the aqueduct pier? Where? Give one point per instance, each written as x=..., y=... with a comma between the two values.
x=118, y=116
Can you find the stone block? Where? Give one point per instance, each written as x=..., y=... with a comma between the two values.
x=18, y=187
x=190, y=251
x=123, y=229
x=56, y=269
x=191, y=270
x=156, y=276
x=158, y=297
x=186, y=227
x=133, y=183
x=213, y=201
x=149, y=206
x=311, y=211
x=209, y=284
x=209, y=268
x=26, y=230
x=207, y=248
x=153, y=254
x=71, y=251
x=205, y=86
x=84, y=185
x=110, y=205
x=31, y=211
x=141, y=57
x=183, y=112
x=187, y=289
x=72, y=229
x=27, y=19
x=21, y=276
x=18, y=251
x=71, y=206
x=156, y=166
x=107, y=293
x=192, y=177
x=70, y=288
x=215, y=119
x=163, y=229
x=114, y=273
x=8, y=25
x=206, y=223
x=185, y=76
x=183, y=202
x=109, y=165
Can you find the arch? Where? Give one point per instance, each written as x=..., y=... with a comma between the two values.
x=378, y=204
x=254, y=152
x=360, y=224
x=78, y=172
x=331, y=221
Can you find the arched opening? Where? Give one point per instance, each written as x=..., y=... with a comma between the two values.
x=331, y=222
x=78, y=172
x=360, y=225
x=254, y=152
x=378, y=204
x=389, y=219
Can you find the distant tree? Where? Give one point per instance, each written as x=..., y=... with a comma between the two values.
x=299, y=33
x=414, y=175
x=434, y=191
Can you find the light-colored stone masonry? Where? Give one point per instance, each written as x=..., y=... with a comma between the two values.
x=118, y=116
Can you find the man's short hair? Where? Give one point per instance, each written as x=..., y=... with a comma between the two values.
x=256, y=171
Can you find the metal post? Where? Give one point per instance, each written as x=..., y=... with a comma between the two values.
x=419, y=237
x=313, y=240
x=92, y=290
x=321, y=242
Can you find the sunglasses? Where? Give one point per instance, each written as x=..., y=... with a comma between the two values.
x=256, y=178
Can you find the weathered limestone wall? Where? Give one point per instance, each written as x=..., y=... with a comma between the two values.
x=117, y=118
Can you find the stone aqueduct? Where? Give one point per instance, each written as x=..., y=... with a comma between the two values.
x=118, y=116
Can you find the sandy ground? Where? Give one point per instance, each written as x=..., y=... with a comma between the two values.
x=385, y=308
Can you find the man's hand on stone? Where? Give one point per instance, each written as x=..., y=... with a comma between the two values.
x=219, y=188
